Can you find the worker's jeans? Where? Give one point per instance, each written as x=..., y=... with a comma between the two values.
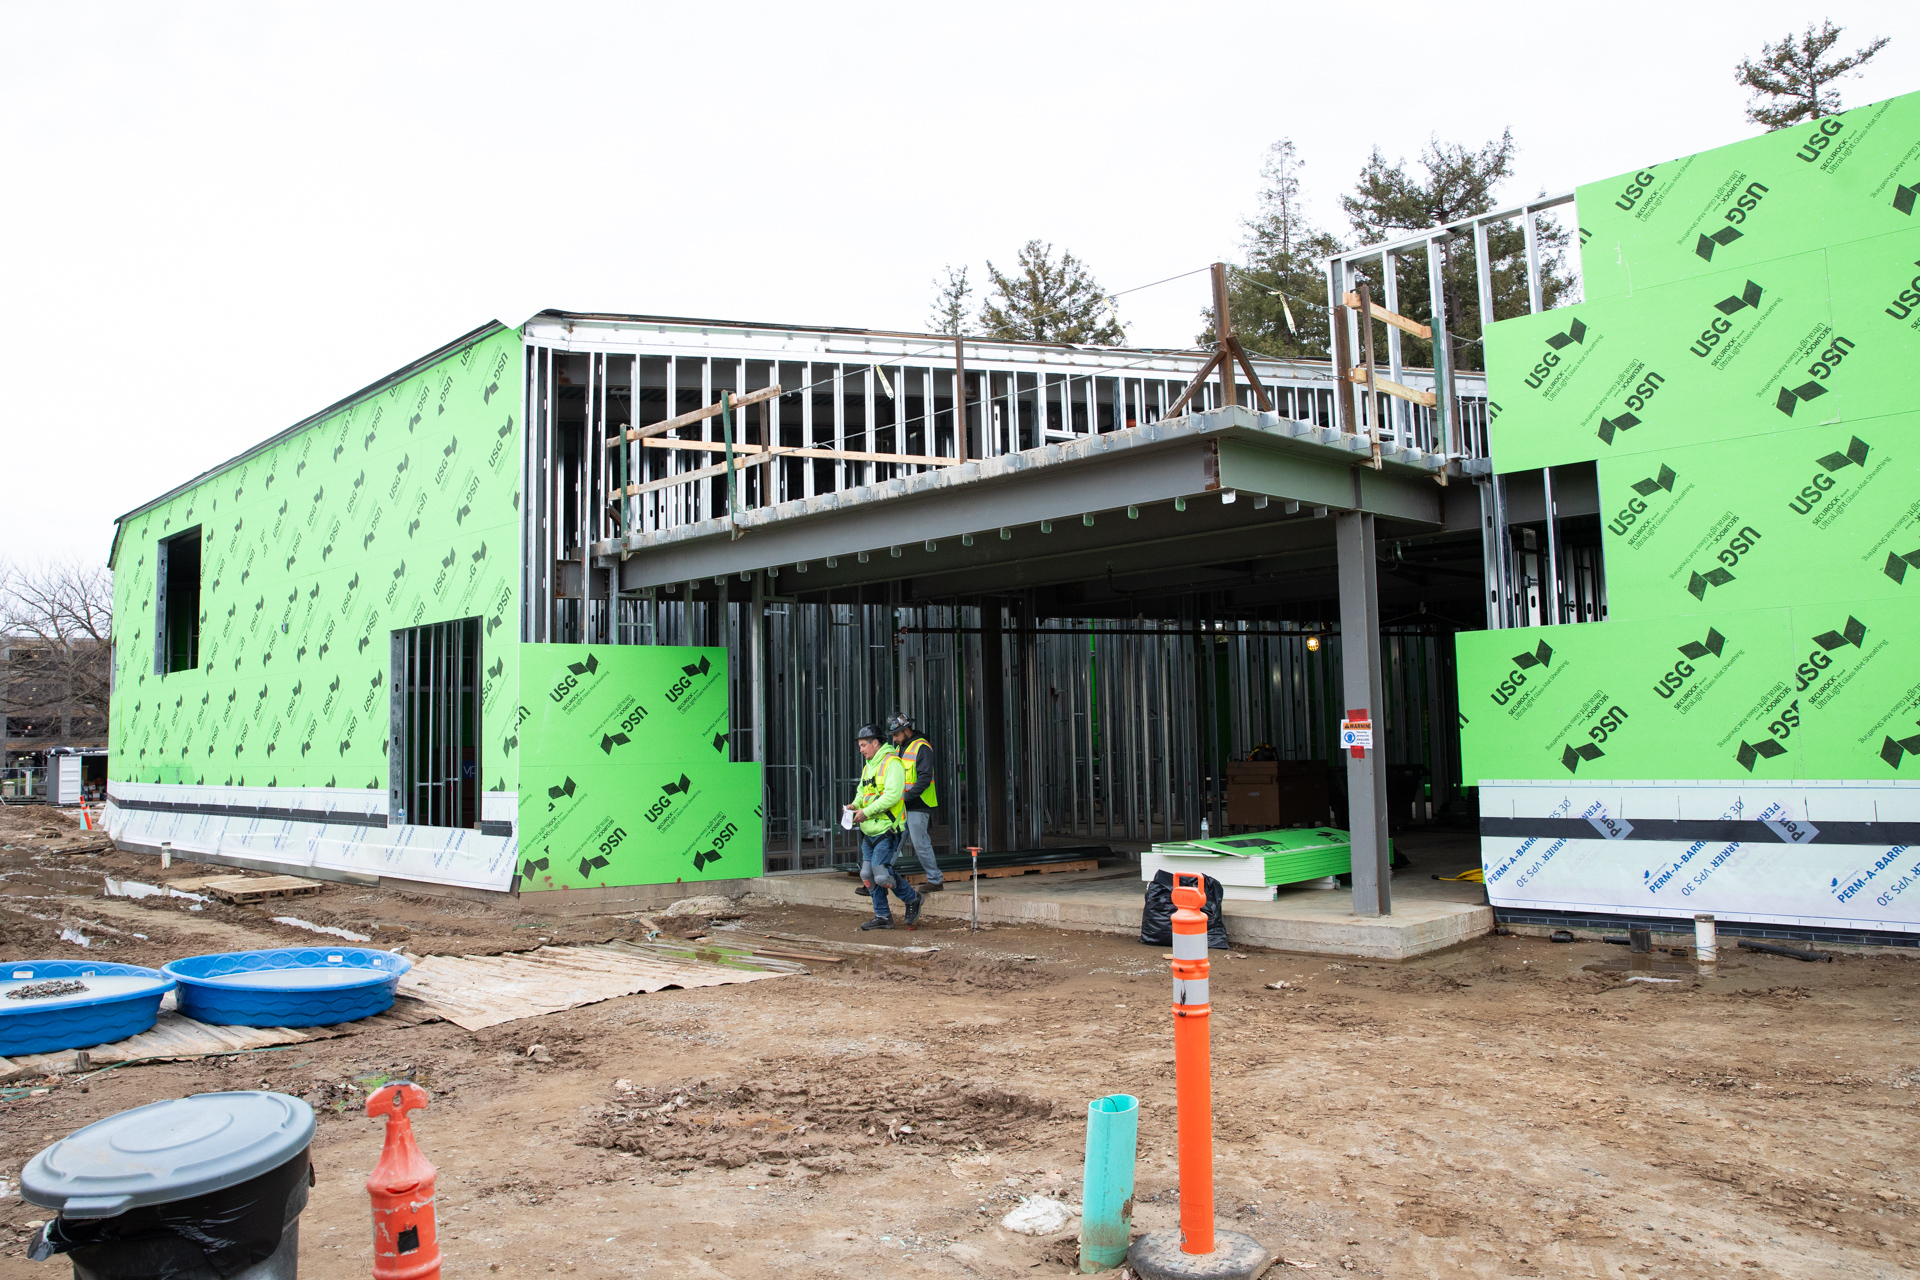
x=920, y=830
x=876, y=869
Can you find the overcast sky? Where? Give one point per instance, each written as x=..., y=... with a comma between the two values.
x=220, y=218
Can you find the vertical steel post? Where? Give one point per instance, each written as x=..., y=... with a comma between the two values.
x=959, y=398
x=1536, y=300
x=1446, y=407
x=1342, y=354
x=1222, y=331
x=1360, y=668
x=1550, y=605
x=1401, y=411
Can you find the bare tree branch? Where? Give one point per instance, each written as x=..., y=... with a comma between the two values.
x=56, y=650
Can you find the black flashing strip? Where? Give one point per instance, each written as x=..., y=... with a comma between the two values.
x=496, y=828
x=1862, y=833
x=254, y=811
x=1722, y=927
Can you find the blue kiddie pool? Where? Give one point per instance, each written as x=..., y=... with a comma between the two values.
x=288, y=986
x=40, y=1012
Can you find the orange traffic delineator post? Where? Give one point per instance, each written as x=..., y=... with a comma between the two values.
x=1193, y=1062
x=1199, y=1252
x=406, y=1243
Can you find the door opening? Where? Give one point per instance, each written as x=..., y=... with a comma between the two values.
x=434, y=756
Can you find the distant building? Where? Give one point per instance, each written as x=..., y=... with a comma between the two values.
x=49, y=692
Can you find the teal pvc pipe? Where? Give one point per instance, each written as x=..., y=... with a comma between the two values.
x=1106, y=1197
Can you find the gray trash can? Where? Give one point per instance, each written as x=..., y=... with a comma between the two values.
x=208, y=1187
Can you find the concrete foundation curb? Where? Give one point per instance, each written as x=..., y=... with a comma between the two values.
x=1108, y=901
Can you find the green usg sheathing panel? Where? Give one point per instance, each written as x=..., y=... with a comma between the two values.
x=1821, y=336
x=1812, y=692
x=1660, y=698
x=399, y=510
x=1826, y=182
x=586, y=706
x=625, y=773
x=1701, y=359
x=1824, y=513
x=638, y=823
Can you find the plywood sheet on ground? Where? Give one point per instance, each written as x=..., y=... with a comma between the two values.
x=484, y=991
x=176, y=1036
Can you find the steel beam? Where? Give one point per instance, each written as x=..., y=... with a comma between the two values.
x=1360, y=674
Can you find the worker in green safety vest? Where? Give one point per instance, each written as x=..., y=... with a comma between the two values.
x=921, y=796
x=881, y=813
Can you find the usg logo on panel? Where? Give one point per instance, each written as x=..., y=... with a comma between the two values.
x=1522, y=663
x=1691, y=652
x=1637, y=506
x=1816, y=488
x=1542, y=372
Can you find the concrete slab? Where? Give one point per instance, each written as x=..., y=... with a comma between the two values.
x=1318, y=919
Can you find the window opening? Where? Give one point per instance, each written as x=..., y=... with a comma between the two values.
x=434, y=757
x=177, y=629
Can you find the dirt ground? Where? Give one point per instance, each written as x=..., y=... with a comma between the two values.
x=1500, y=1109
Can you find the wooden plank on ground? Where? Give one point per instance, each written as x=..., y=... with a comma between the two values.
x=259, y=888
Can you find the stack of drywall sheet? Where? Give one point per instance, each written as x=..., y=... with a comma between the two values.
x=1249, y=867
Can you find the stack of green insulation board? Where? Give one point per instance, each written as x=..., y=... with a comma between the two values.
x=1250, y=866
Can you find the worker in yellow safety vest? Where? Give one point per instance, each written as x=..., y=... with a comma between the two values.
x=881, y=812
x=921, y=796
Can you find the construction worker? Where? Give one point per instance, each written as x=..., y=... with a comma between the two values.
x=921, y=797
x=881, y=813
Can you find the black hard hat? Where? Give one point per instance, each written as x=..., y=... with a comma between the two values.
x=866, y=731
x=900, y=723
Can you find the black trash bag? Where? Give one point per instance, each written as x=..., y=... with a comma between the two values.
x=1156, y=919
x=219, y=1233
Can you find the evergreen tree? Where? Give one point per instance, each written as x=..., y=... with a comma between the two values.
x=1049, y=300
x=1454, y=183
x=1791, y=84
x=950, y=304
x=1278, y=300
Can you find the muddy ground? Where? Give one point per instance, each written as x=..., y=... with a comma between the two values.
x=1501, y=1109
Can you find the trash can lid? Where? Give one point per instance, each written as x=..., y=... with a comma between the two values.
x=167, y=1151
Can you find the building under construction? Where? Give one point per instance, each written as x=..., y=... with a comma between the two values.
x=597, y=602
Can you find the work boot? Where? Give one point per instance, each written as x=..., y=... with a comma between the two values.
x=913, y=911
x=935, y=887
x=876, y=923
x=861, y=891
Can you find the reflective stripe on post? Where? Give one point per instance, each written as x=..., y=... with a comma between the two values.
x=1192, y=1061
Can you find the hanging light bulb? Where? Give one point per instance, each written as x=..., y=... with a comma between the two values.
x=1313, y=644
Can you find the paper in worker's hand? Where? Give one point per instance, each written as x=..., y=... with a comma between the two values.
x=846, y=819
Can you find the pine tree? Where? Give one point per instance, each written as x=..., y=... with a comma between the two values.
x=1391, y=200
x=1045, y=300
x=1278, y=300
x=950, y=304
x=1790, y=84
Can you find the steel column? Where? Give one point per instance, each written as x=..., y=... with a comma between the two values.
x=1360, y=665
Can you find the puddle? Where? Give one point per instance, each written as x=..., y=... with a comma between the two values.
x=298, y=923
x=21, y=877
x=137, y=889
x=1649, y=968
